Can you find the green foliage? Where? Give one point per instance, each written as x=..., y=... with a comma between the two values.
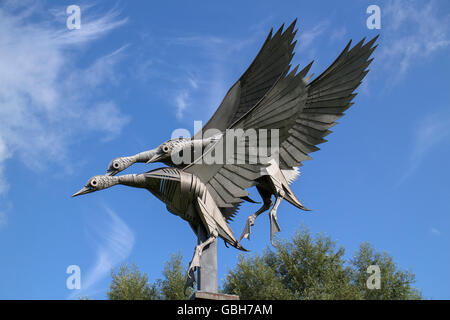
x=252, y=277
x=305, y=267
x=310, y=267
x=172, y=286
x=395, y=284
x=129, y=284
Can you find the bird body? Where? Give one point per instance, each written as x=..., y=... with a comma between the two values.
x=185, y=195
x=272, y=181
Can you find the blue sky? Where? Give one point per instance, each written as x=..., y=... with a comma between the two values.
x=71, y=100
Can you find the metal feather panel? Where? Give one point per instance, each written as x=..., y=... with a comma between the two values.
x=272, y=60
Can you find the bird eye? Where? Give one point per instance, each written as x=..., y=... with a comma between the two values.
x=116, y=165
x=165, y=149
x=94, y=183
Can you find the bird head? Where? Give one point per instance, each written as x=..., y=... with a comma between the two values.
x=119, y=164
x=164, y=152
x=96, y=183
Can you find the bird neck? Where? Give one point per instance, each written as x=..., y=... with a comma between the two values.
x=132, y=180
x=143, y=156
x=107, y=181
x=130, y=160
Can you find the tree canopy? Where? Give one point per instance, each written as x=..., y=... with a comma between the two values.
x=313, y=267
x=128, y=283
x=305, y=267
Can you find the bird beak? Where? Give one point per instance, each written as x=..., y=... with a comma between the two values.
x=111, y=173
x=83, y=191
x=155, y=158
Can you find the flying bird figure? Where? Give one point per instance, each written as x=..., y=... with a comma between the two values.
x=271, y=62
x=267, y=97
x=185, y=195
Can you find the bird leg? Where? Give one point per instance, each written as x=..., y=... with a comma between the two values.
x=274, y=227
x=251, y=219
x=195, y=262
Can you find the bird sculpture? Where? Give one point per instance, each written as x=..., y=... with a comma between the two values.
x=273, y=182
x=272, y=60
x=185, y=195
x=297, y=113
x=319, y=104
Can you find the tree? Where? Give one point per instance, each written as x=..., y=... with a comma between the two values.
x=395, y=284
x=308, y=267
x=129, y=284
x=253, y=278
x=172, y=286
x=305, y=267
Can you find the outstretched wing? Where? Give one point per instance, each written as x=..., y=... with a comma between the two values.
x=272, y=60
x=304, y=113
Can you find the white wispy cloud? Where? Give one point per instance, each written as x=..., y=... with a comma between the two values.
x=218, y=53
x=431, y=132
x=435, y=231
x=4, y=155
x=412, y=31
x=181, y=103
x=3, y=218
x=46, y=99
x=114, y=242
x=210, y=76
x=197, y=40
x=307, y=36
x=338, y=33
x=93, y=26
x=193, y=83
x=5, y=208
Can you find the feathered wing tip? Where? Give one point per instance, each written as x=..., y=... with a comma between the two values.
x=349, y=56
x=305, y=70
x=288, y=31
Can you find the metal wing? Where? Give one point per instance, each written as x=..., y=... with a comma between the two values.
x=226, y=182
x=272, y=60
x=304, y=113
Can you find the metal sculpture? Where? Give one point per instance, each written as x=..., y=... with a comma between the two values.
x=184, y=195
x=266, y=97
x=272, y=60
x=273, y=180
